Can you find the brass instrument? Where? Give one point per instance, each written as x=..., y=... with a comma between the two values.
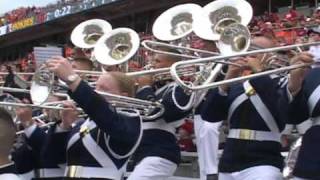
x=110, y=47
x=117, y=46
x=225, y=21
x=176, y=22
x=218, y=15
x=43, y=83
x=179, y=65
x=87, y=33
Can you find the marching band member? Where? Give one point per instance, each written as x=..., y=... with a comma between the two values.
x=99, y=147
x=48, y=163
x=254, y=110
x=7, y=138
x=24, y=159
x=159, y=155
x=305, y=106
x=34, y=155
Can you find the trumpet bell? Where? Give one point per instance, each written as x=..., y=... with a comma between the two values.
x=87, y=33
x=217, y=15
x=117, y=46
x=176, y=22
x=41, y=85
x=234, y=39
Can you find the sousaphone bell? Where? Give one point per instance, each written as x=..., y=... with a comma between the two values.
x=117, y=46
x=176, y=22
x=225, y=21
x=87, y=33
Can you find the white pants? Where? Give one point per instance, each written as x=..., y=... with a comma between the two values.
x=27, y=176
x=153, y=168
x=254, y=173
x=297, y=178
x=207, y=140
x=9, y=177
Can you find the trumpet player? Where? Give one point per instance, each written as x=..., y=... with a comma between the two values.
x=7, y=138
x=159, y=154
x=99, y=147
x=256, y=110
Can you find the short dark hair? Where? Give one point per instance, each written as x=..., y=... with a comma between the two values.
x=7, y=132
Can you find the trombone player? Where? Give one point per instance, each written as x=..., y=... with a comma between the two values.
x=99, y=147
x=257, y=112
x=159, y=146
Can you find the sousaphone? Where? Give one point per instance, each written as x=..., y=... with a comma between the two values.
x=117, y=46
x=176, y=22
x=225, y=21
x=217, y=15
x=87, y=33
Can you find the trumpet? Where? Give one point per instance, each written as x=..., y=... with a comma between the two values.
x=179, y=65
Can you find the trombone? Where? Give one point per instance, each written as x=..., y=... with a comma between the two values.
x=178, y=65
x=35, y=106
x=149, y=110
x=17, y=73
x=43, y=84
x=148, y=45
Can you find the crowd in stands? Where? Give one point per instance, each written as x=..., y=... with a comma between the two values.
x=19, y=14
x=26, y=12
x=292, y=28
